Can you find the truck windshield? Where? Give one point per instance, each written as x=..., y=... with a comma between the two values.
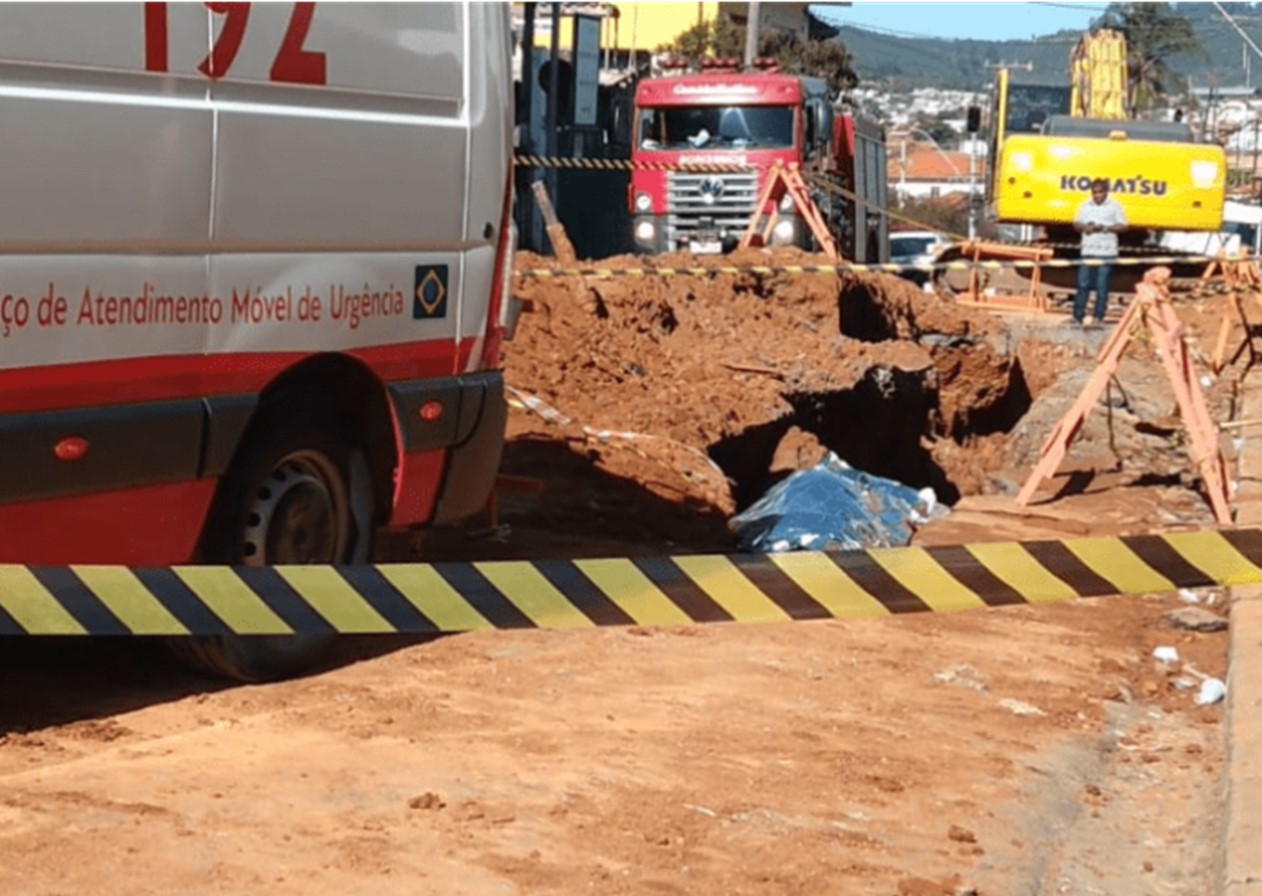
x=716, y=127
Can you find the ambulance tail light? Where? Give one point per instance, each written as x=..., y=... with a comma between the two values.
x=499, y=310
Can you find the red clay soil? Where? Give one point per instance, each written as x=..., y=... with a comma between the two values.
x=681, y=398
x=1034, y=749
x=659, y=376
x=1025, y=750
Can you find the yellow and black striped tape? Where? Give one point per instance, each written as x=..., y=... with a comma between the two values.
x=841, y=267
x=683, y=590
x=530, y=161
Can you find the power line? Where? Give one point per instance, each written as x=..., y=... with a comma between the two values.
x=876, y=31
x=1248, y=40
x=837, y=18
x=1075, y=6
x=893, y=32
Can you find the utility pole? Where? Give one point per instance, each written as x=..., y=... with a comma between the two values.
x=751, y=33
x=972, y=189
x=554, y=72
x=526, y=213
x=902, y=172
x=1253, y=169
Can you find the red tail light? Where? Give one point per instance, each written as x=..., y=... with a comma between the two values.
x=502, y=284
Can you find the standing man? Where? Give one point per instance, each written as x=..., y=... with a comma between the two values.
x=1099, y=220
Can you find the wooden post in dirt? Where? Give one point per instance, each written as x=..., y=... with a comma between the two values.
x=562, y=248
x=1152, y=310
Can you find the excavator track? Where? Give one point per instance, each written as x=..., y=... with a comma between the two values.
x=1059, y=277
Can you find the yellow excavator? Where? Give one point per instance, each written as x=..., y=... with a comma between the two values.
x=1049, y=141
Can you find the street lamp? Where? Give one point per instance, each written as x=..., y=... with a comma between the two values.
x=946, y=158
x=934, y=143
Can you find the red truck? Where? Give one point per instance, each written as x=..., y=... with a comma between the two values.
x=751, y=118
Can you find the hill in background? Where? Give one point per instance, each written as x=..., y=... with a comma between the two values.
x=903, y=63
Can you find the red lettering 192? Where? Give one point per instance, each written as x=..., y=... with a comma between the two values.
x=292, y=63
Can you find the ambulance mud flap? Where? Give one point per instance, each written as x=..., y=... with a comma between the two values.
x=455, y=597
x=474, y=459
x=470, y=427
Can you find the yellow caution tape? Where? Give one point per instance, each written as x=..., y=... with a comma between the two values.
x=452, y=597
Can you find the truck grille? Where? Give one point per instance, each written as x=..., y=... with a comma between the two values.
x=708, y=205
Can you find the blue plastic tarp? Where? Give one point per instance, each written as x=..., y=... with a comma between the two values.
x=833, y=507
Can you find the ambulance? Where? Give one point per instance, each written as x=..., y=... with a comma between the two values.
x=254, y=274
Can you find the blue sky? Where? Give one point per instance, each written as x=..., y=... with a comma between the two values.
x=981, y=21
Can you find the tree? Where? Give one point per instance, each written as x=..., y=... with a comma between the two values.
x=717, y=39
x=827, y=59
x=946, y=214
x=1153, y=33
x=821, y=58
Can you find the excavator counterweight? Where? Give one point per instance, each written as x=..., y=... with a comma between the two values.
x=1050, y=142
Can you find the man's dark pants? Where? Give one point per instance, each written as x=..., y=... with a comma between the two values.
x=1095, y=275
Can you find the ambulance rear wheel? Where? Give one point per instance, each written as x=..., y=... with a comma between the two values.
x=302, y=495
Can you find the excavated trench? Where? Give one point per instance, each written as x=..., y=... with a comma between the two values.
x=763, y=372
x=892, y=419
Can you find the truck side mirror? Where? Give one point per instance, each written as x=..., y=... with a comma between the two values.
x=822, y=121
x=974, y=119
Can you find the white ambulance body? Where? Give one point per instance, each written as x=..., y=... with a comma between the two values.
x=253, y=259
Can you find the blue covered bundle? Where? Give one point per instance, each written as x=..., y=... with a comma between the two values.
x=833, y=507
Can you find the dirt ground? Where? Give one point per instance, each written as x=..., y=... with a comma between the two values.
x=1033, y=750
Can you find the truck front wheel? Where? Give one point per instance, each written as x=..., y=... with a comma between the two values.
x=301, y=495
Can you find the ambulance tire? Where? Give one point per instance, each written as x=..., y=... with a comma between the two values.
x=302, y=493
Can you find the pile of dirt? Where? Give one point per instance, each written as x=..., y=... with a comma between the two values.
x=648, y=408
x=691, y=384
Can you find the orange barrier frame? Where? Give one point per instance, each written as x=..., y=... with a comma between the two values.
x=1033, y=300
x=1153, y=311
x=791, y=179
x=1241, y=276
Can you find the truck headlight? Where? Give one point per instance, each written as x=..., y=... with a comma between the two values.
x=645, y=231
x=785, y=232
x=643, y=202
x=786, y=202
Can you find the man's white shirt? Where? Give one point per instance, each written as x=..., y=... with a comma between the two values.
x=1107, y=214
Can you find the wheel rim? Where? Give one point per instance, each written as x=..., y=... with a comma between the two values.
x=299, y=514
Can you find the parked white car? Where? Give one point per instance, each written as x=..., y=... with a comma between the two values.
x=916, y=247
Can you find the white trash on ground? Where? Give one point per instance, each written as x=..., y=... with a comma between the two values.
x=1212, y=691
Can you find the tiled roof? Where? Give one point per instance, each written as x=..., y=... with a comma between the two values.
x=923, y=162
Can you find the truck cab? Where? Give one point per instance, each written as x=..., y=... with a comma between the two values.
x=740, y=123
